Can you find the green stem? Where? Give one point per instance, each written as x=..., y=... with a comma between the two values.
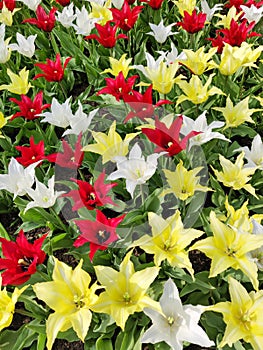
x=192, y=41
x=81, y=175
x=42, y=274
x=230, y=194
x=63, y=89
x=142, y=194
x=62, y=225
x=197, y=110
x=23, y=312
x=242, y=82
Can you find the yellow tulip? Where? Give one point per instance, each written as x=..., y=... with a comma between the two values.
x=226, y=19
x=234, y=57
x=19, y=83
x=185, y=5
x=238, y=114
x=117, y=66
x=251, y=56
x=102, y=13
x=243, y=316
x=228, y=247
x=195, y=91
x=7, y=305
x=168, y=241
x=183, y=183
x=3, y=122
x=111, y=145
x=125, y=290
x=240, y=218
x=163, y=77
x=260, y=99
x=70, y=296
x=198, y=62
x=6, y=16
x=234, y=174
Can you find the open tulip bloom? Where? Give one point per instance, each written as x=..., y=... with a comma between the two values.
x=176, y=323
x=131, y=197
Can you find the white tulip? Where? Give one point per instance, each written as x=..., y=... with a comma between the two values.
x=25, y=46
x=161, y=32
x=19, y=179
x=60, y=114
x=43, y=196
x=177, y=323
x=136, y=170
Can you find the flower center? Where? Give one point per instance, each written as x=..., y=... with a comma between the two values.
x=246, y=319
x=178, y=320
x=183, y=190
x=167, y=245
x=92, y=196
x=230, y=251
x=126, y=298
x=25, y=262
x=170, y=320
x=169, y=144
x=102, y=236
x=78, y=302
x=45, y=199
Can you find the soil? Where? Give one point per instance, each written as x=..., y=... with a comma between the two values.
x=65, y=345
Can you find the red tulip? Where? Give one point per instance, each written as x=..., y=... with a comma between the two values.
x=9, y=4
x=31, y=154
x=107, y=35
x=142, y=104
x=194, y=22
x=70, y=158
x=52, y=70
x=126, y=17
x=29, y=109
x=168, y=139
x=234, y=36
x=63, y=2
x=20, y=259
x=91, y=196
x=99, y=233
x=44, y=21
x=118, y=87
x=154, y=4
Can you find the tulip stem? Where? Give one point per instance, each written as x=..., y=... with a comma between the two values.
x=63, y=89
x=62, y=225
x=142, y=193
x=197, y=110
x=242, y=82
x=230, y=194
x=81, y=175
x=23, y=312
x=43, y=275
x=192, y=41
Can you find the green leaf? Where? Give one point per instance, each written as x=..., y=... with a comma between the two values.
x=3, y=232
x=103, y=344
x=41, y=342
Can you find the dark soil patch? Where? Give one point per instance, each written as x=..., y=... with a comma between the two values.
x=62, y=255
x=200, y=261
x=65, y=345
x=11, y=221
